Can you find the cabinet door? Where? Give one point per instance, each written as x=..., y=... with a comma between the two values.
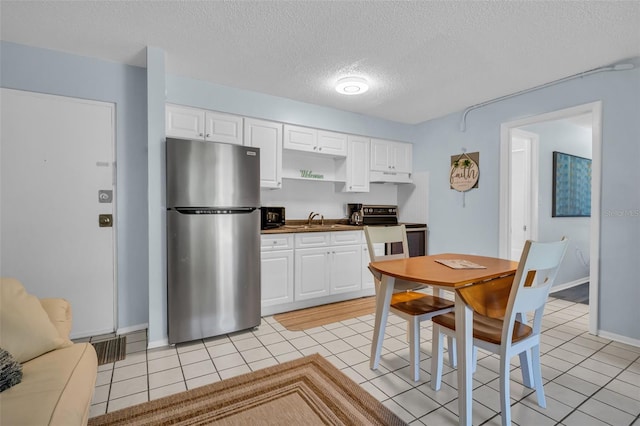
x=277, y=277
x=267, y=136
x=380, y=155
x=367, y=276
x=300, y=138
x=184, y=122
x=223, y=128
x=402, y=154
x=311, y=273
x=346, y=271
x=357, y=179
x=332, y=143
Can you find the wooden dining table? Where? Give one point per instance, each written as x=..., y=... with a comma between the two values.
x=475, y=289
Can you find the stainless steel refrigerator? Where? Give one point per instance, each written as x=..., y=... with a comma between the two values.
x=213, y=238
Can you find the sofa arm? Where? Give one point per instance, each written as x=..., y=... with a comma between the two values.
x=59, y=312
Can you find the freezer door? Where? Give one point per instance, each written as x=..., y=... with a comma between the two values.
x=213, y=270
x=204, y=174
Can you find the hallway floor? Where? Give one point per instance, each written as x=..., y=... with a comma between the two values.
x=588, y=380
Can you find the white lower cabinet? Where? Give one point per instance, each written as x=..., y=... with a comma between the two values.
x=277, y=269
x=327, y=263
x=300, y=267
x=277, y=277
x=312, y=273
x=345, y=273
x=367, y=276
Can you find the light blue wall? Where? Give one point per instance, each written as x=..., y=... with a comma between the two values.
x=46, y=71
x=202, y=94
x=575, y=140
x=474, y=228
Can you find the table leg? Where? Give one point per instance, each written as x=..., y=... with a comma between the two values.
x=464, y=337
x=383, y=301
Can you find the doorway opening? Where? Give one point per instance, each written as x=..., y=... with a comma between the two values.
x=512, y=135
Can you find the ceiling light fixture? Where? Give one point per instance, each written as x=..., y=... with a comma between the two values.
x=352, y=86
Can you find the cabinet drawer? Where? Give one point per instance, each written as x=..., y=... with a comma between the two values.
x=346, y=237
x=312, y=239
x=276, y=242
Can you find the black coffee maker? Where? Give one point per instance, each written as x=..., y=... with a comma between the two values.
x=355, y=213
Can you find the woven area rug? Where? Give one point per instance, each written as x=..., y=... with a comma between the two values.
x=305, y=391
x=317, y=316
x=111, y=350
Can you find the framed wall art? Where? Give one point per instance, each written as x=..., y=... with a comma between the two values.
x=571, y=186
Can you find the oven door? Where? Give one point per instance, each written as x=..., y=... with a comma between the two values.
x=417, y=239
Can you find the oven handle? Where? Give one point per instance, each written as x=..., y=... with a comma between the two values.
x=417, y=229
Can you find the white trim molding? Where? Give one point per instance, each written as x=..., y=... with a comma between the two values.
x=595, y=108
x=570, y=284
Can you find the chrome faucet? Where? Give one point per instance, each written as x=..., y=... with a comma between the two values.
x=312, y=215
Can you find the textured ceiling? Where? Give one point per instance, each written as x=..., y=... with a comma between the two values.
x=424, y=59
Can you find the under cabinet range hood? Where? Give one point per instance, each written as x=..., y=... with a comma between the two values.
x=389, y=177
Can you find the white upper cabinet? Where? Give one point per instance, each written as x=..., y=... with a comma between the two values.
x=199, y=124
x=357, y=165
x=300, y=138
x=402, y=157
x=267, y=136
x=316, y=141
x=332, y=143
x=184, y=122
x=391, y=161
x=223, y=127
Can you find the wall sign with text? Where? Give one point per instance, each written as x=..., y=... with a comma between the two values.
x=465, y=171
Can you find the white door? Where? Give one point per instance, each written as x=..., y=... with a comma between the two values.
x=332, y=143
x=311, y=273
x=357, y=165
x=277, y=277
x=300, y=138
x=402, y=154
x=267, y=136
x=380, y=152
x=57, y=154
x=520, y=194
x=184, y=122
x=346, y=270
x=225, y=128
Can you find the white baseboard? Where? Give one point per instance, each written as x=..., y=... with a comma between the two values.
x=570, y=284
x=132, y=328
x=158, y=343
x=619, y=338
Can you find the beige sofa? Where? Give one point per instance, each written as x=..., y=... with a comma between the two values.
x=58, y=376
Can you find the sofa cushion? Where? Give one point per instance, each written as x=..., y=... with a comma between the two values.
x=10, y=370
x=59, y=311
x=25, y=328
x=56, y=389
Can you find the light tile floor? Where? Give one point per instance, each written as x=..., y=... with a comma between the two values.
x=588, y=380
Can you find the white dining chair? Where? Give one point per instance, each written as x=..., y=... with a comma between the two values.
x=512, y=334
x=410, y=305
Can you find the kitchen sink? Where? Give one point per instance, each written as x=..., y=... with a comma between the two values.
x=328, y=227
x=337, y=226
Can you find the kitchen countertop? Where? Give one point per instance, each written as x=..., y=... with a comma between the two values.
x=330, y=225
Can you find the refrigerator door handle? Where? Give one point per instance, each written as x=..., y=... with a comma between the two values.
x=205, y=210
